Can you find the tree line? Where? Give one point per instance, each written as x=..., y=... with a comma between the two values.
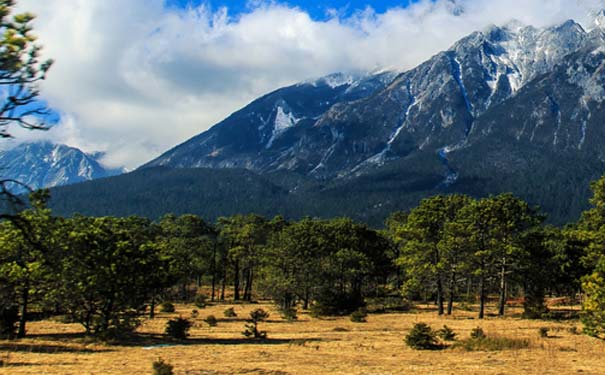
x=108, y=273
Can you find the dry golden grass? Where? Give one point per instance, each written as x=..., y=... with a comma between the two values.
x=307, y=346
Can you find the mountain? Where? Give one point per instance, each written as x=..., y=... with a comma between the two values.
x=321, y=132
x=509, y=108
x=43, y=164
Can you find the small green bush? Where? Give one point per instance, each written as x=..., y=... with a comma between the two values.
x=543, y=332
x=251, y=328
x=492, y=344
x=194, y=314
x=178, y=328
x=289, y=314
x=167, y=307
x=359, y=316
x=422, y=337
x=230, y=313
x=477, y=333
x=211, y=321
x=162, y=368
x=200, y=301
x=446, y=334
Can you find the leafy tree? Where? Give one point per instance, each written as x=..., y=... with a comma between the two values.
x=244, y=238
x=295, y=252
x=188, y=242
x=107, y=272
x=26, y=243
x=591, y=230
x=421, y=255
x=593, y=312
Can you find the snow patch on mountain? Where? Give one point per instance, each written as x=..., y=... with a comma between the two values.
x=283, y=122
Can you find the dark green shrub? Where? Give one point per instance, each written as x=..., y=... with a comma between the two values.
x=251, y=328
x=543, y=331
x=167, y=307
x=162, y=368
x=211, y=321
x=477, y=333
x=194, y=313
x=330, y=302
x=446, y=334
x=289, y=313
x=359, y=316
x=492, y=344
x=178, y=328
x=200, y=301
x=422, y=337
x=230, y=313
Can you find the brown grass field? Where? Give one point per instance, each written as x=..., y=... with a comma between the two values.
x=306, y=346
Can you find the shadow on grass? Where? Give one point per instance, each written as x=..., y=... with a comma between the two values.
x=46, y=348
x=19, y=364
x=151, y=341
x=137, y=340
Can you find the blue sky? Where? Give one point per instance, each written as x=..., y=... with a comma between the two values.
x=318, y=10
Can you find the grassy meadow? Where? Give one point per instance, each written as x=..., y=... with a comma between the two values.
x=307, y=346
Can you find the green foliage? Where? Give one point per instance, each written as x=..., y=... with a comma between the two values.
x=543, y=332
x=109, y=268
x=162, y=368
x=288, y=314
x=427, y=261
x=178, y=328
x=230, y=312
x=446, y=334
x=477, y=333
x=211, y=321
x=359, y=316
x=422, y=337
x=251, y=328
x=200, y=301
x=167, y=307
x=593, y=309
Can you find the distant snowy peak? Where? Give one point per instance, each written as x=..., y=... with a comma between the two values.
x=44, y=164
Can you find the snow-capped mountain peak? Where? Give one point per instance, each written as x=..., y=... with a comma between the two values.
x=44, y=164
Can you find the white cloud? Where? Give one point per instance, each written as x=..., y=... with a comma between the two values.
x=133, y=78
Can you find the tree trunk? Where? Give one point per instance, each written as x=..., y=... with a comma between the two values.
x=502, y=301
x=440, y=296
x=306, y=300
x=246, y=275
x=23, y=313
x=152, y=308
x=481, y=297
x=236, y=281
x=450, y=302
x=250, y=279
x=223, y=287
x=213, y=271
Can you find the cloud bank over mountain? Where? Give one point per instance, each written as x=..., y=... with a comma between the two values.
x=133, y=78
